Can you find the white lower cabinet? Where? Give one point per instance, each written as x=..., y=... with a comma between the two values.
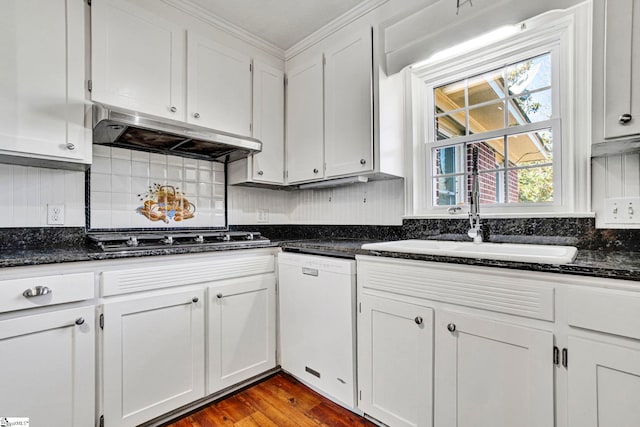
x=242, y=329
x=604, y=384
x=491, y=374
x=47, y=368
x=395, y=361
x=153, y=355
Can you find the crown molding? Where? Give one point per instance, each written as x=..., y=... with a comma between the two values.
x=205, y=15
x=333, y=26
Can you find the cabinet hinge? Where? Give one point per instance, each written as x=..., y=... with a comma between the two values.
x=360, y=394
x=556, y=355
x=324, y=60
x=250, y=67
x=250, y=127
x=102, y=321
x=360, y=307
x=286, y=80
x=89, y=85
x=565, y=357
x=101, y=422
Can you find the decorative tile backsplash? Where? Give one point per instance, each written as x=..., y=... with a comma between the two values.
x=134, y=189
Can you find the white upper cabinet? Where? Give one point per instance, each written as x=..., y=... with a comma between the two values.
x=42, y=84
x=218, y=86
x=305, y=129
x=330, y=112
x=137, y=60
x=621, y=28
x=348, y=107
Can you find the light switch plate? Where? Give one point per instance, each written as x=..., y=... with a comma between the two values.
x=55, y=214
x=622, y=210
x=263, y=215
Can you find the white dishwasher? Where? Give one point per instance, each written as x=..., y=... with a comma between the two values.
x=317, y=323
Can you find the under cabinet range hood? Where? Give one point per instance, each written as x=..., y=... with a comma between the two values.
x=135, y=131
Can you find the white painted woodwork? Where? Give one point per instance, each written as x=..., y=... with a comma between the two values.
x=348, y=101
x=268, y=126
x=614, y=176
x=622, y=62
x=43, y=82
x=305, y=124
x=137, y=60
x=604, y=384
x=317, y=298
x=62, y=288
x=491, y=374
x=471, y=286
x=47, y=366
x=604, y=310
x=395, y=361
x=218, y=86
x=124, y=281
x=241, y=329
x=153, y=355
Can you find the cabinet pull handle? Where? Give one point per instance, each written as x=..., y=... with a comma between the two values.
x=196, y=115
x=310, y=271
x=219, y=295
x=36, y=292
x=625, y=118
x=71, y=146
x=195, y=299
x=260, y=173
x=565, y=357
x=418, y=320
x=173, y=109
x=79, y=321
x=316, y=171
x=363, y=162
x=451, y=327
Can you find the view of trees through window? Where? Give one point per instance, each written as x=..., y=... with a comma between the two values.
x=507, y=114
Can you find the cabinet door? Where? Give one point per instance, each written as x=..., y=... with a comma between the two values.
x=219, y=86
x=622, y=67
x=604, y=384
x=268, y=123
x=305, y=133
x=395, y=356
x=242, y=331
x=47, y=365
x=491, y=374
x=153, y=349
x=137, y=60
x=42, y=89
x=349, y=106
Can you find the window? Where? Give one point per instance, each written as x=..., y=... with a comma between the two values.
x=524, y=102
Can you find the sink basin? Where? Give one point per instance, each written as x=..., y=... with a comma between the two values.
x=542, y=254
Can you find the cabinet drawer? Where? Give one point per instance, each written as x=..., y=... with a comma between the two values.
x=605, y=310
x=45, y=290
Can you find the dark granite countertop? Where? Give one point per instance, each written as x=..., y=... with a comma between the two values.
x=595, y=263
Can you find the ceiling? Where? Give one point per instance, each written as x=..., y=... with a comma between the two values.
x=280, y=22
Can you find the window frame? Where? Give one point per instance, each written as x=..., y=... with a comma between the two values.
x=568, y=37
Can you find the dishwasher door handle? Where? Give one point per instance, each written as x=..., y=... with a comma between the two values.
x=310, y=271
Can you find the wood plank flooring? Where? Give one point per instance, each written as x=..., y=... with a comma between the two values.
x=278, y=401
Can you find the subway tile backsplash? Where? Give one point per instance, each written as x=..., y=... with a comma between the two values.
x=132, y=189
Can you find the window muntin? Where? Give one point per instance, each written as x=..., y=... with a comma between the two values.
x=508, y=113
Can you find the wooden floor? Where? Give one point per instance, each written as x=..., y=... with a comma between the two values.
x=277, y=401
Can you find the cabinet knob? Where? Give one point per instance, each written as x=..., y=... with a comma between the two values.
x=316, y=171
x=173, y=109
x=36, y=292
x=196, y=115
x=624, y=119
x=79, y=321
x=418, y=320
x=71, y=146
x=260, y=173
x=195, y=299
x=363, y=162
x=219, y=295
x=451, y=327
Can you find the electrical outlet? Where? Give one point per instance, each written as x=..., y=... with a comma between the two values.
x=55, y=214
x=623, y=210
x=263, y=215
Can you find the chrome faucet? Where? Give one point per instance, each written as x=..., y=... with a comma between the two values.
x=475, y=232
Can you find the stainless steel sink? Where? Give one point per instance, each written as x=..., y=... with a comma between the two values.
x=542, y=254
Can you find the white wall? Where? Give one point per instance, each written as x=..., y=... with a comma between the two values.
x=373, y=203
x=26, y=191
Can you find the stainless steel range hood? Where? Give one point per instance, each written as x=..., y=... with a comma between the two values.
x=123, y=129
